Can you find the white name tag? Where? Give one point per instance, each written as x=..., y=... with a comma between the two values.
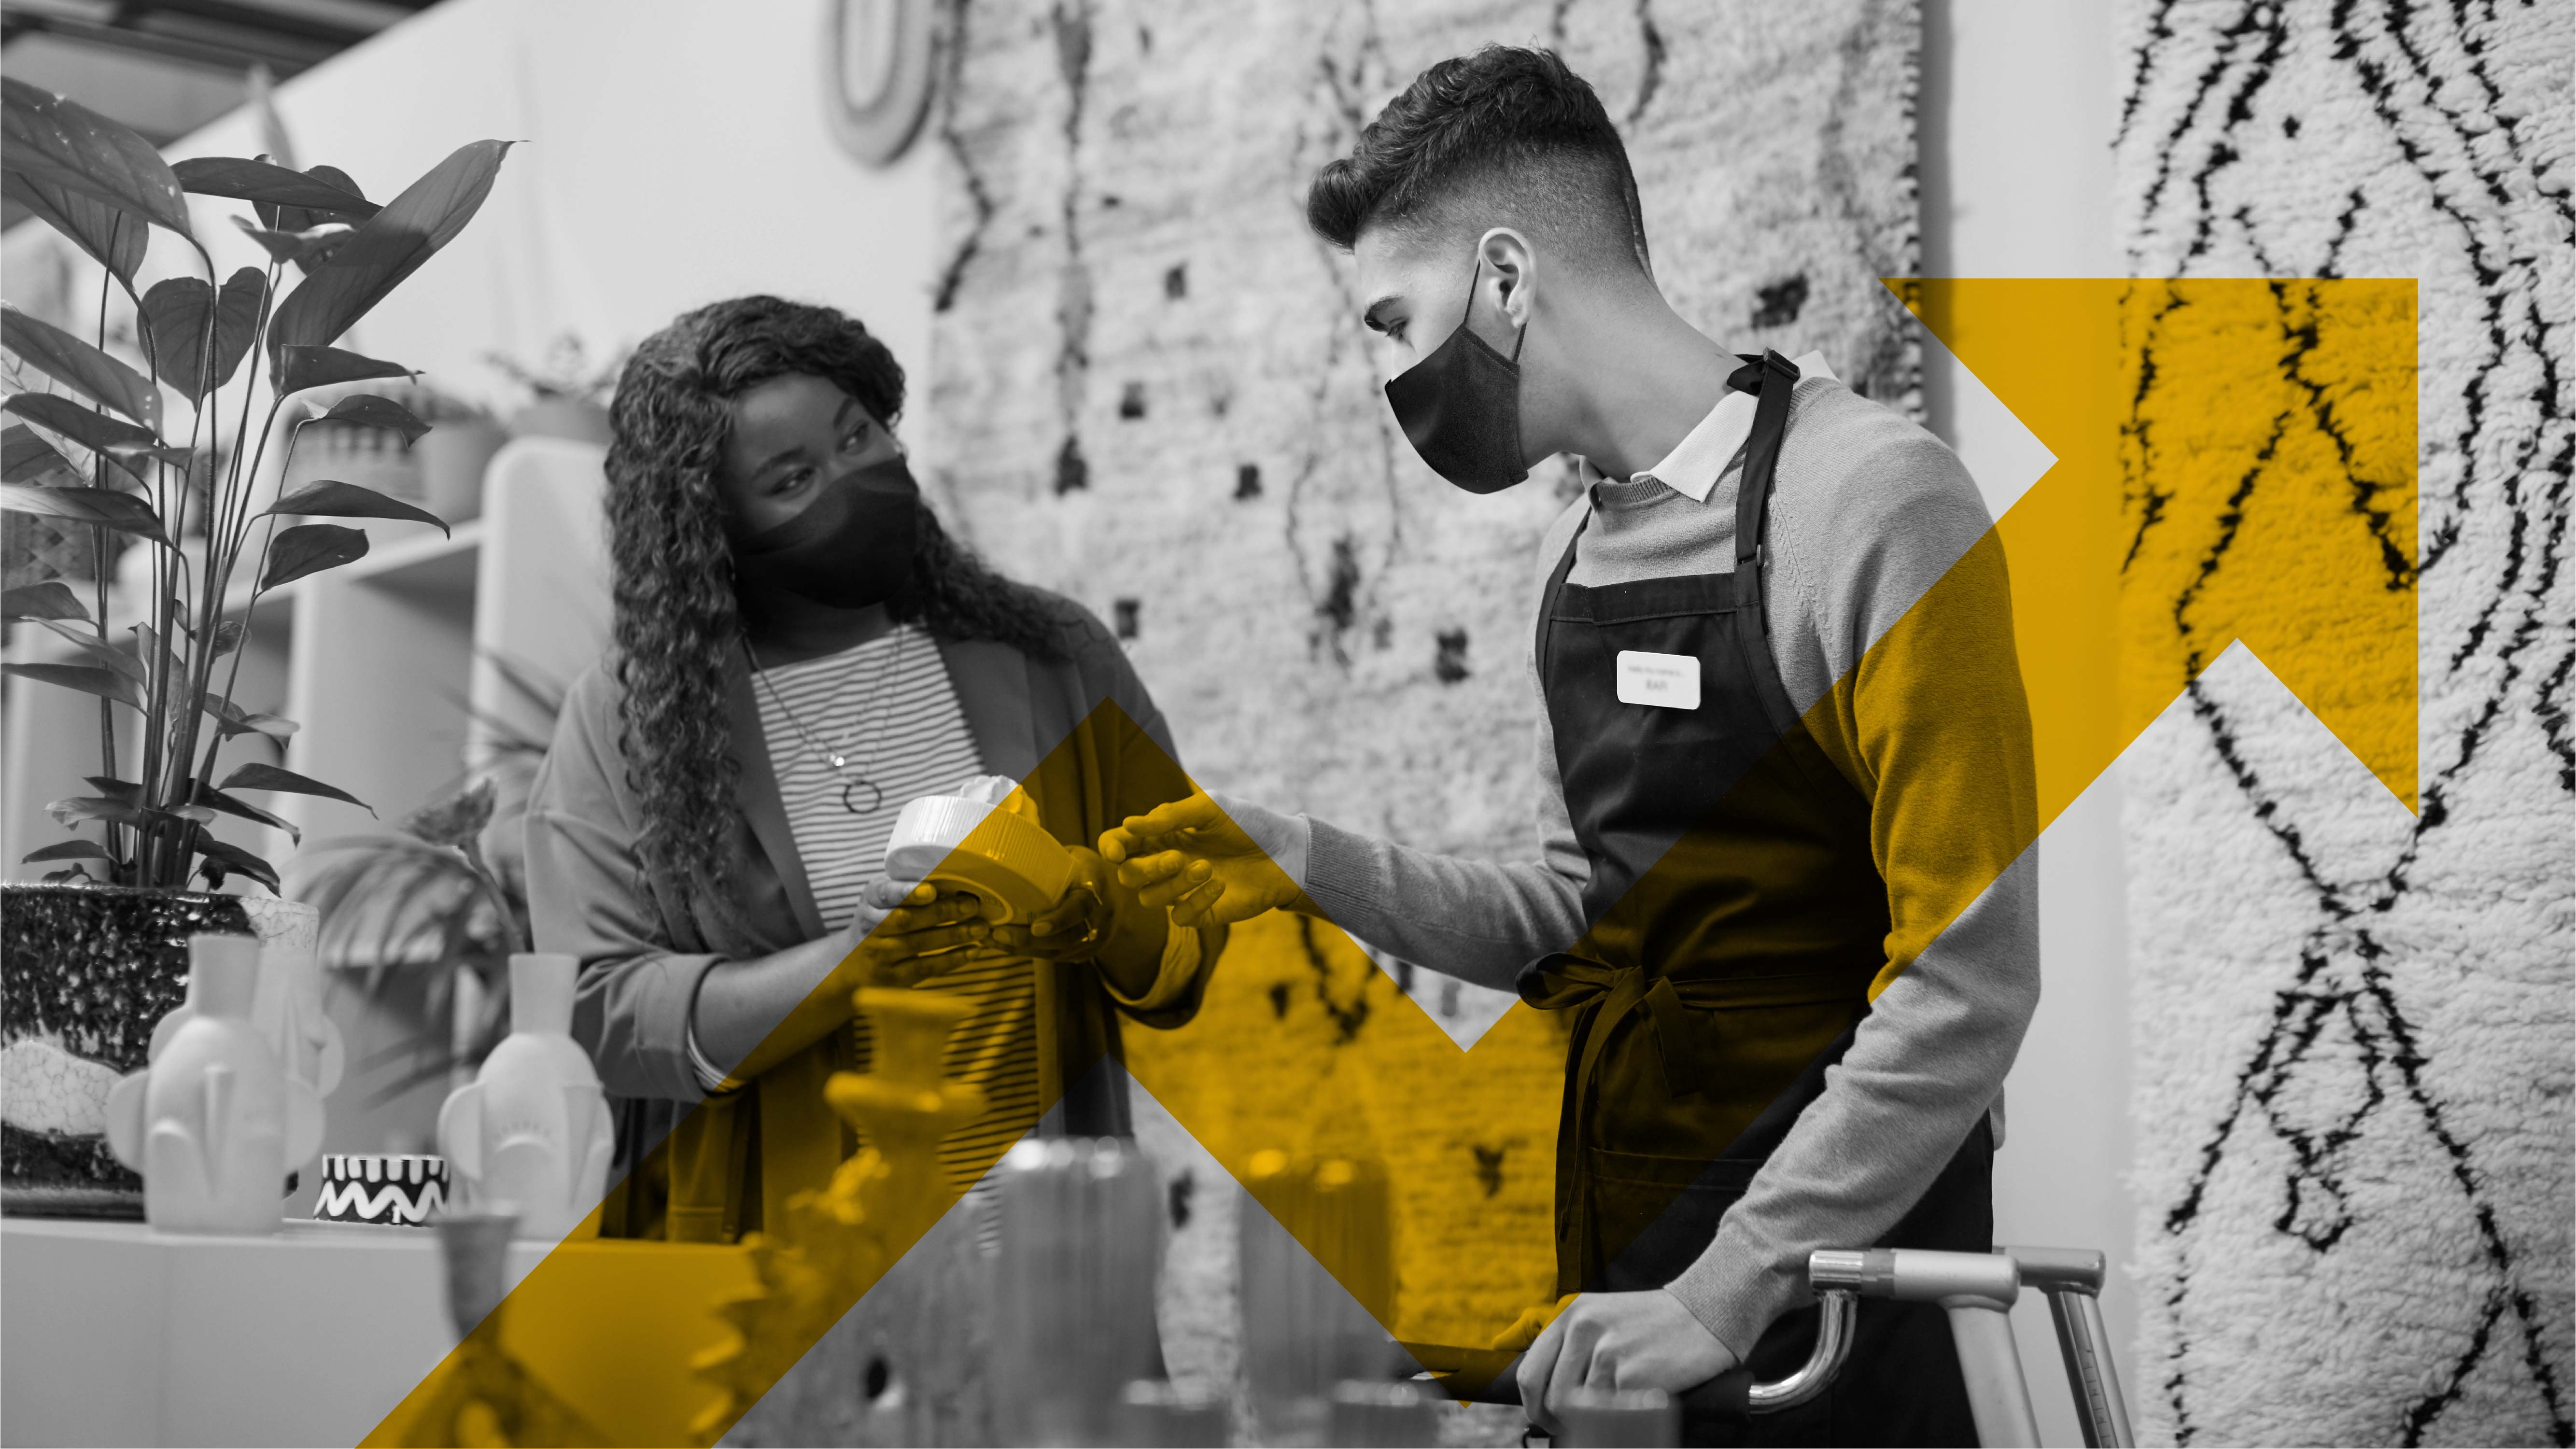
x=1670, y=680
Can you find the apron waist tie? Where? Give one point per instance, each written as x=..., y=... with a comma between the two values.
x=1566, y=982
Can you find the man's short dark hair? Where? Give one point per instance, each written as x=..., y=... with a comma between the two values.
x=1513, y=131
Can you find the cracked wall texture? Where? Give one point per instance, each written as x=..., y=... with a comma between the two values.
x=1149, y=390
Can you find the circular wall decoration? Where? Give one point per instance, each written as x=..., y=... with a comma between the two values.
x=879, y=57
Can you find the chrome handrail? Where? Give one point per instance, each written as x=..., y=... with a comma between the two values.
x=1835, y=1308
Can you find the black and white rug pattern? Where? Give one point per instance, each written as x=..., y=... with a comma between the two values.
x=2353, y=1026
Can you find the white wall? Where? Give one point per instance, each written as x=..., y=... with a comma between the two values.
x=2019, y=101
x=677, y=153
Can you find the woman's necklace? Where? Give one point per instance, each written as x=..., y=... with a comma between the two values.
x=839, y=761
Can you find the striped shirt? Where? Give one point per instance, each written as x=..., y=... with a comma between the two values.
x=887, y=708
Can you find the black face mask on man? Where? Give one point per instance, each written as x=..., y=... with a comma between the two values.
x=850, y=548
x=1460, y=407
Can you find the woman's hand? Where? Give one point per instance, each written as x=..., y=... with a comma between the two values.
x=1191, y=857
x=1088, y=912
x=905, y=932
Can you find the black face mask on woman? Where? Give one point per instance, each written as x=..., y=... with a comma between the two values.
x=1460, y=407
x=850, y=548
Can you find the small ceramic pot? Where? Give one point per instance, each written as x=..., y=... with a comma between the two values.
x=392, y=1189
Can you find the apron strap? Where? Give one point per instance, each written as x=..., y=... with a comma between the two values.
x=1556, y=587
x=1750, y=623
x=1776, y=378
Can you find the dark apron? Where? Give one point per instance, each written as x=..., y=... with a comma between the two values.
x=1738, y=919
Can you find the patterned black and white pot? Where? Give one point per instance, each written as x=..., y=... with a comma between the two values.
x=86, y=972
x=397, y=1189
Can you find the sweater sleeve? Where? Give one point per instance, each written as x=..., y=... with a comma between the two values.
x=587, y=898
x=1478, y=920
x=1905, y=599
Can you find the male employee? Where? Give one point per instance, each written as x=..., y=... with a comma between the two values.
x=1782, y=892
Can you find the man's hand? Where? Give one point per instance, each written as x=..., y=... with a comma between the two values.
x=1532, y=1322
x=1085, y=915
x=904, y=933
x=1191, y=857
x=1618, y=1341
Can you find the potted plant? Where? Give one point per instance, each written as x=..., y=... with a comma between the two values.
x=164, y=456
x=567, y=398
x=445, y=892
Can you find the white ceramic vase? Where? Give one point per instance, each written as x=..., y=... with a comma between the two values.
x=532, y=1129
x=213, y=1123
x=287, y=1007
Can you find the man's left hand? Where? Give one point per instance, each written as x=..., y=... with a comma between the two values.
x=1618, y=1341
x=1074, y=927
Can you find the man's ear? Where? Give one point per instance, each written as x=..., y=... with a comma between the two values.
x=1514, y=266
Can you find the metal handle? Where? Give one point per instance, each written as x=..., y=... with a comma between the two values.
x=1488, y=1376
x=1736, y=1391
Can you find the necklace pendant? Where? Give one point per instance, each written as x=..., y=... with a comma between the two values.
x=839, y=762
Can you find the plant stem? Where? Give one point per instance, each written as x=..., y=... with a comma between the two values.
x=98, y=534
x=237, y=488
x=201, y=644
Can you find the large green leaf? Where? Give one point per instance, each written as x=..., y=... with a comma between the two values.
x=213, y=798
x=265, y=181
x=78, y=366
x=300, y=367
x=26, y=458
x=66, y=144
x=391, y=246
x=305, y=218
x=301, y=247
x=74, y=849
x=113, y=237
x=231, y=719
x=120, y=812
x=370, y=411
x=235, y=860
x=309, y=548
x=348, y=500
x=105, y=683
x=106, y=654
x=59, y=414
x=256, y=776
x=52, y=599
x=174, y=318
x=103, y=506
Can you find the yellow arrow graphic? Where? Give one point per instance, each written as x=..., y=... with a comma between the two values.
x=2235, y=461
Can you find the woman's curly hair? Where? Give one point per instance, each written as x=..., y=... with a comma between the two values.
x=678, y=631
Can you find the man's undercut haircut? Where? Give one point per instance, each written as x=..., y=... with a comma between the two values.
x=1504, y=137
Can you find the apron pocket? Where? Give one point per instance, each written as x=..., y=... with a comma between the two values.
x=1652, y=1216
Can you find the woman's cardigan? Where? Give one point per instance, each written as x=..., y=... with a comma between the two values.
x=1090, y=748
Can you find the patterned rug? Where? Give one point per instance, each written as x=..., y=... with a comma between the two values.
x=2353, y=1064
x=1150, y=391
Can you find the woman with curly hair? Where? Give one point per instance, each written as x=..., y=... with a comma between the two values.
x=800, y=649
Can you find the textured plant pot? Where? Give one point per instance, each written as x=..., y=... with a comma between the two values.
x=583, y=422
x=86, y=972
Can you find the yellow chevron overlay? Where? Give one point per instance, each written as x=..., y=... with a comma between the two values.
x=2244, y=447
